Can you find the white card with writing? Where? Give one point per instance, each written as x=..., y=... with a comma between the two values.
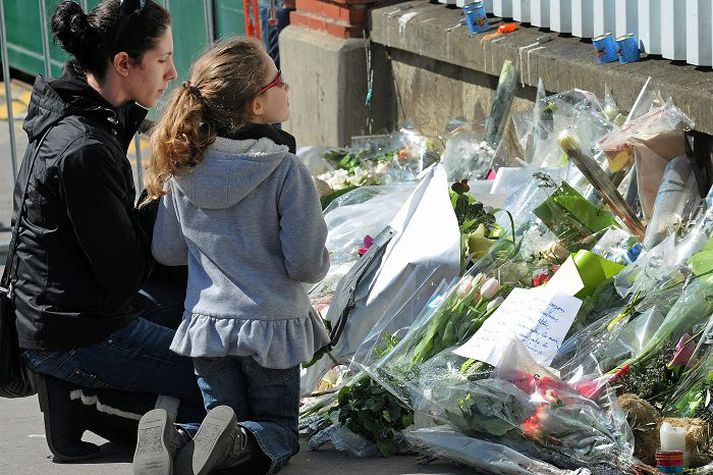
x=538, y=317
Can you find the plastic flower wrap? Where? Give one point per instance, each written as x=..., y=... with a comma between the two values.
x=576, y=109
x=522, y=401
x=371, y=160
x=458, y=314
x=568, y=215
x=572, y=146
x=350, y=218
x=649, y=141
x=466, y=156
x=675, y=202
x=488, y=456
x=693, y=396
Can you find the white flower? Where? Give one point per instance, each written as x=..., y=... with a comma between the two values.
x=494, y=303
x=479, y=279
x=359, y=177
x=382, y=167
x=490, y=288
x=337, y=179
x=465, y=286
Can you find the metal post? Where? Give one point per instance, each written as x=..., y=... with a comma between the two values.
x=166, y=5
x=139, y=167
x=45, y=38
x=8, y=93
x=209, y=27
x=83, y=3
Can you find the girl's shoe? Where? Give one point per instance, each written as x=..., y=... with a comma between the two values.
x=155, y=447
x=219, y=443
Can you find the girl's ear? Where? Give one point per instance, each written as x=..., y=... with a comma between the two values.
x=120, y=63
x=257, y=107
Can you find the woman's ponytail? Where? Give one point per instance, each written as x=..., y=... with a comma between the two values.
x=74, y=33
x=94, y=38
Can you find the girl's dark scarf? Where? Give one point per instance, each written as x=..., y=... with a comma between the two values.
x=258, y=131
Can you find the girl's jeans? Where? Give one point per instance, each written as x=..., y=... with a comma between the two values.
x=265, y=401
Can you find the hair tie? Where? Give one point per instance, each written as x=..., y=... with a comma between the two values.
x=192, y=89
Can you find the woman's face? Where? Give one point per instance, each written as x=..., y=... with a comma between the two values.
x=148, y=79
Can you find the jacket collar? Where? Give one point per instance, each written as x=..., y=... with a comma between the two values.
x=52, y=100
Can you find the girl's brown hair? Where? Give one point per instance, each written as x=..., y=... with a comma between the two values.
x=215, y=100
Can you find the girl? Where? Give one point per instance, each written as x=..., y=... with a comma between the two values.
x=242, y=211
x=83, y=250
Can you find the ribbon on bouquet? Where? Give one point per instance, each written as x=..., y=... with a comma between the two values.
x=582, y=273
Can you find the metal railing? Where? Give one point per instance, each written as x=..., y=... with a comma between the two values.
x=209, y=17
x=680, y=30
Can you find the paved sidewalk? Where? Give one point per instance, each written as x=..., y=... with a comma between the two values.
x=23, y=450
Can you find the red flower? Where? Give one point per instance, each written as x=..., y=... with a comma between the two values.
x=368, y=242
x=532, y=426
x=591, y=389
x=540, y=279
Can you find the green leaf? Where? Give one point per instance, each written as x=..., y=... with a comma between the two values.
x=702, y=262
x=327, y=199
x=386, y=447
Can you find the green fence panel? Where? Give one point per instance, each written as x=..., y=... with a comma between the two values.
x=189, y=32
x=230, y=18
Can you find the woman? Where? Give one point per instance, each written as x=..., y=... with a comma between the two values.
x=83, y=249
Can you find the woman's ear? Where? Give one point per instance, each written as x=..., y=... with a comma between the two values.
x=120, y=63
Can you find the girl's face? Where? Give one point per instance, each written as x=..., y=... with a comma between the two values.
x=271, y=105
x=149, y=78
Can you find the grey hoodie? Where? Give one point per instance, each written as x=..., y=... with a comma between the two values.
x=248, y=223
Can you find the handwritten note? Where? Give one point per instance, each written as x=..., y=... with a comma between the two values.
x=538, y=317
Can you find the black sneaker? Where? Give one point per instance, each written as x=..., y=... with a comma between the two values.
x=65, y=421
x=212, y=445
x=154, y=447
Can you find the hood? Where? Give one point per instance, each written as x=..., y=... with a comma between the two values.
x=54, y=99
x=230, y=170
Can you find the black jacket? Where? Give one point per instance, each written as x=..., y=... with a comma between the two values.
x=83, y=250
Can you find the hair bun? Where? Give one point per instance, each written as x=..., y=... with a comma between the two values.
x=71, y=28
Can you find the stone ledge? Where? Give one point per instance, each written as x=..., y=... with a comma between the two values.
x=438, y=32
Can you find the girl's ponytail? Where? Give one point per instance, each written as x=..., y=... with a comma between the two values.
x=224, y=80
x=179, y=139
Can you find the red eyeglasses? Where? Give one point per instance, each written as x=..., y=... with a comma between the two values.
x=277, y=82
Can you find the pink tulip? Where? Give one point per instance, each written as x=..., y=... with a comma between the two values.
x=683, y=351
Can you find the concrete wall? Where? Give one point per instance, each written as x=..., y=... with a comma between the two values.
x=430, y=92
x=328, y=86
x=422, y=35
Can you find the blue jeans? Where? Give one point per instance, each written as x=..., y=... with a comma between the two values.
x=265, y=401
x=136, y=358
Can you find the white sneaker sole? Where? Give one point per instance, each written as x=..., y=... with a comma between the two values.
x=152, y=456
x=199, y=456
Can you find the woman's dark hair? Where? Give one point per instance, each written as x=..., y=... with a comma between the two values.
x=92, y=38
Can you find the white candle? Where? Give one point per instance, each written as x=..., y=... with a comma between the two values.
x=673, y=438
